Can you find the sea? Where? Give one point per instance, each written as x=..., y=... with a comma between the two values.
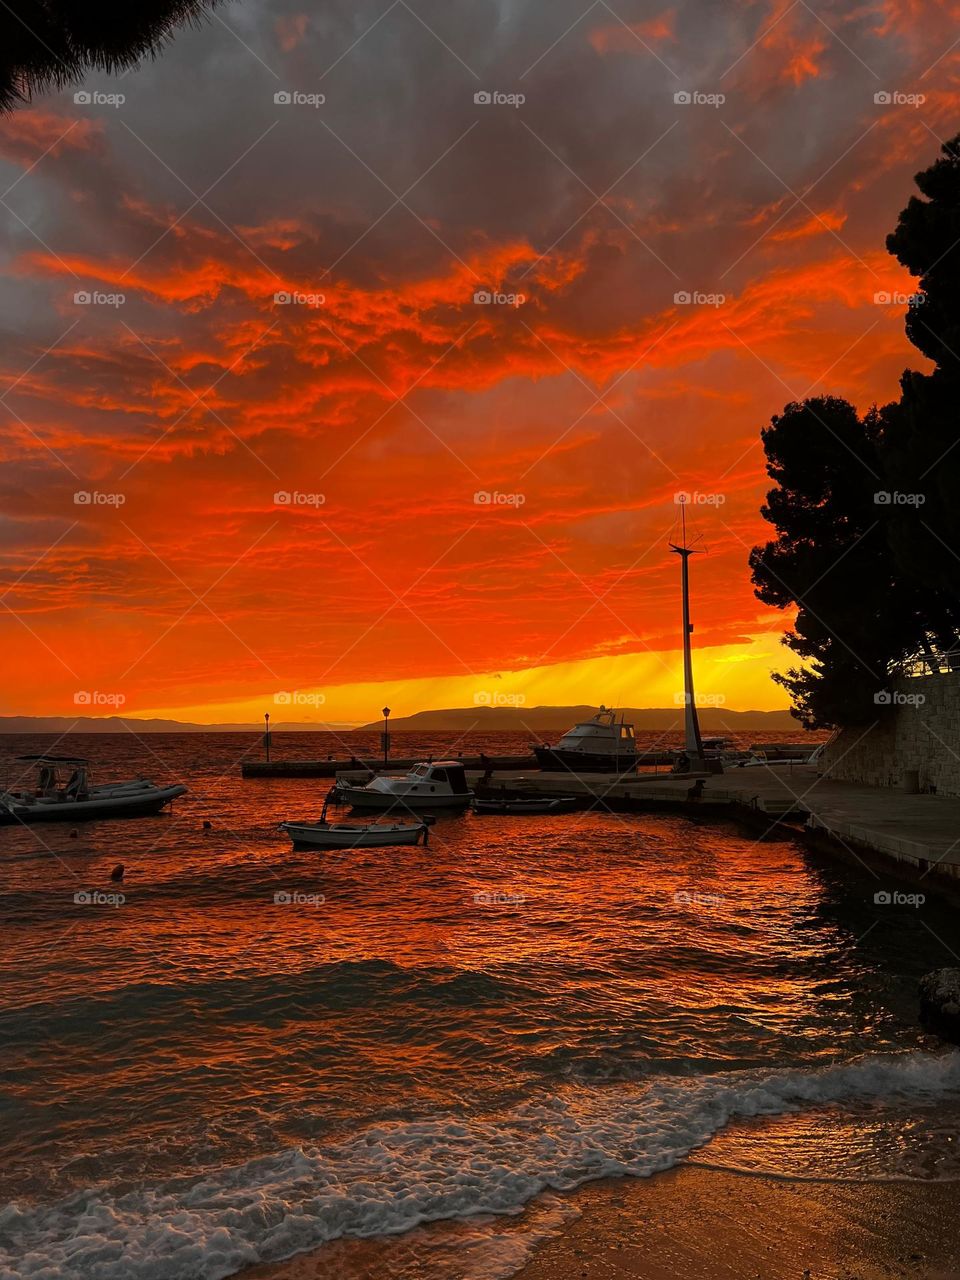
x=241, y=1053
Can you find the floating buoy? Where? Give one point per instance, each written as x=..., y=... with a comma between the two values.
x=117, y=872
x=207, y=824
x=74, y=834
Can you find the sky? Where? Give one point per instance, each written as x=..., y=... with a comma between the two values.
x=360, y=354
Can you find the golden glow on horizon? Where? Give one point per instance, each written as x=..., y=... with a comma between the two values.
x=725, y=675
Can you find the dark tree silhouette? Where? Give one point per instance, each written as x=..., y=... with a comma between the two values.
x=927, y=243
x=866, y=510
x=45, y=44
x=831, y=559
x=921, y=434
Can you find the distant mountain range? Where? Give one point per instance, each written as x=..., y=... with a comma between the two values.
x=530, y=720
x=126, y=724
x=554, y=719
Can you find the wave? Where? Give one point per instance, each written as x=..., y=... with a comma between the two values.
x=390, y=1178
x=339, y=985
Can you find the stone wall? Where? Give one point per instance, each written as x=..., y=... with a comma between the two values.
x=921, y=733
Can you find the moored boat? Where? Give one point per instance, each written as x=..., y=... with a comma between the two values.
x=601, y=745
x=525, y=804
x=345, y=835
x=428, y=786
x=57, y=798
x=784, y=752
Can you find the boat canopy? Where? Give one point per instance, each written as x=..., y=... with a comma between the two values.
x=452, y=772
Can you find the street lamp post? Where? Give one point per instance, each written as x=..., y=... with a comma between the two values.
x=266, y=734
x=385, y=736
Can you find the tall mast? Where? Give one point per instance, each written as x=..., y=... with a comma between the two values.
x=692, y=741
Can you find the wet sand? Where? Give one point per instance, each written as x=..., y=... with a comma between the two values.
x=700, y=1224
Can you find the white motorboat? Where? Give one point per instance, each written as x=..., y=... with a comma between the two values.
x=601, y=745
x=438, y=785
x=57, y=798
x=345, y=835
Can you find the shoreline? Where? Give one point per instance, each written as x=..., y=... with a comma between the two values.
x=700, y=1223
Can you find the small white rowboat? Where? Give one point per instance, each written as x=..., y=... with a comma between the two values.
x=346, y=835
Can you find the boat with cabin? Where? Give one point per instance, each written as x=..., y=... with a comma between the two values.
x=601, y=745
x=64, y=793
x=440, y=784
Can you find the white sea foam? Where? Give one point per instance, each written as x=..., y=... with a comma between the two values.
x=391, y=1178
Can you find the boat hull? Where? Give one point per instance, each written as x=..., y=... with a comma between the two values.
x=383, y=801
x=140, y=803
x=315, y=835
x=560, y=804
x=558, y=759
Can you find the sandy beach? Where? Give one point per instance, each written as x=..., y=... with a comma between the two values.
x=697, y=1223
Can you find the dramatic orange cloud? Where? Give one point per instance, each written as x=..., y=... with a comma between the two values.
x=622, y=37
x=26, y=137
x=398, y=390
x=291, y=29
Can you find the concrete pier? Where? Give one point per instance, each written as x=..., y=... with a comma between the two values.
x=367, y=765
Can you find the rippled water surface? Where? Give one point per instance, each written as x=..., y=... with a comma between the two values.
x=257, y=1050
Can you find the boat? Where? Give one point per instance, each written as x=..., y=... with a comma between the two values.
x=758, y=758
x=60, y=798
x=531, y=804
x=346, y=835
x=784, y=752
x=600, y=745
x=434, y=785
